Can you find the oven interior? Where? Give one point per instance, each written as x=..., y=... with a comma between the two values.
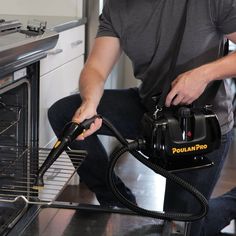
x=13, y=142
x=20, y=158
x=14, y=118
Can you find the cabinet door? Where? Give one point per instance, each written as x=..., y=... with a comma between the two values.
x=70, y=45
x=55, y=85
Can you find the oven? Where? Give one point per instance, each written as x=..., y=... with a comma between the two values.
x=19, y=105
x=20, y=55
x=18, y=131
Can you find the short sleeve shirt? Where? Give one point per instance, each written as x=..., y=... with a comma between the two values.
x=147, y=31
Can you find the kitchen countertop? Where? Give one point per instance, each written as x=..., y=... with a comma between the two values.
x=56, y=23
x=20, y=47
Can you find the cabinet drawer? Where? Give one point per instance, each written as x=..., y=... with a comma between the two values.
x=55, y=85
x=69, y=46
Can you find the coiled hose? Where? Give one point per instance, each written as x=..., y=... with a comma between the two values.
x=132, y=148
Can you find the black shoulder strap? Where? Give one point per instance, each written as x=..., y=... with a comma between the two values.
x=176, y=48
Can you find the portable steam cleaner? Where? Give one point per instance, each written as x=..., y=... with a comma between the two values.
x=173, y=139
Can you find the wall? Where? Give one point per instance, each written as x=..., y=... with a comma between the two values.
x=129, y=79
x=42, y=7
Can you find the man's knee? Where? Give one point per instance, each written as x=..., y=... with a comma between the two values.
x=53, y=113
x=64, y=109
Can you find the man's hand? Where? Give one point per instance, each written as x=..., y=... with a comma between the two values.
x=187, y=87
x=84, y=112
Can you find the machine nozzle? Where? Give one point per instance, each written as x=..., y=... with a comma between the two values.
x=38, y=183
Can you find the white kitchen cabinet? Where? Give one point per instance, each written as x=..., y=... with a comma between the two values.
x=70, y=45
x=43, y=7
x=55, y=85
x=59, y=75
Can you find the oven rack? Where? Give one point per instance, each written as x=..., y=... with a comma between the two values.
x=15, y=184
x=10, y=118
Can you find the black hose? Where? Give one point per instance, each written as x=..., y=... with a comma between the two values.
x=132, y=148
x=72, y=131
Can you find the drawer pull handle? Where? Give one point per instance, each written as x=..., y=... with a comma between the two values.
x=76, y=43
x=55, y=52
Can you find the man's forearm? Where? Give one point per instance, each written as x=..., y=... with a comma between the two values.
x=91, y=86
x=188, y=86
x=223, y=68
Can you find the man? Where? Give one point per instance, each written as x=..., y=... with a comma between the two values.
x=146, y=31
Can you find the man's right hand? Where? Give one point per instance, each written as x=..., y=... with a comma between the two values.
x=84, y=112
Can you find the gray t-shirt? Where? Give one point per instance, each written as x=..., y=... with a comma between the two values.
x=147, y=31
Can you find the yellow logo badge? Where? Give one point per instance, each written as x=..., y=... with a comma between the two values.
x=196, y=147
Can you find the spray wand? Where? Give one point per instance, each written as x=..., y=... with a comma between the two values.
x=71, y=131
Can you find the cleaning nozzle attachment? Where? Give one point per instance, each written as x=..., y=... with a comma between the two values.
x=69, y=134
x=38, y=184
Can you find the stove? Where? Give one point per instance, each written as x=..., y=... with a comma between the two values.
x=20, y=44
x=21, y=49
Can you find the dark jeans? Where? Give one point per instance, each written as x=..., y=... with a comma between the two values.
x=204, y=180
x=221, y=211
x=124, y=109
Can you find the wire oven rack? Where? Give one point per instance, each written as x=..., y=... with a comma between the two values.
x=7, y=123
x=18, y=169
